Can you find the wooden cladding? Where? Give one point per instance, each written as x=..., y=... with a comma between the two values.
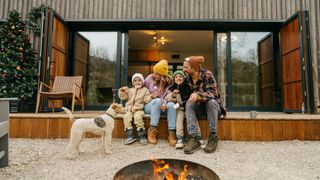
x=228, y=129
x=291, y=66
x=81, y=59
x=266, y=71
x=58, y=49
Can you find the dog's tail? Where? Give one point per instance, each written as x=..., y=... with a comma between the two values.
x=69, y=113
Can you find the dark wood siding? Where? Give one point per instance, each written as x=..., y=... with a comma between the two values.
x=266, y=71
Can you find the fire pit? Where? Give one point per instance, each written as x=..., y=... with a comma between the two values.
x=166, y=169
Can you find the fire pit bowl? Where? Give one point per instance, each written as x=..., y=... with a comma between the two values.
x=143, y=170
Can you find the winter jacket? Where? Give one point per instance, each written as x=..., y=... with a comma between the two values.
x=149, y=83
x=137, y=98
x=184, y=91
x=206, y=87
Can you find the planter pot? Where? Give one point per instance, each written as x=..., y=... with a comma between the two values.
x=23, y=105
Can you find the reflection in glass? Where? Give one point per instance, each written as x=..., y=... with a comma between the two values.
x=245, y=68
x=222, y=64
x=102, y=67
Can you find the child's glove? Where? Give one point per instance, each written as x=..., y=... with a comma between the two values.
x=176, y=106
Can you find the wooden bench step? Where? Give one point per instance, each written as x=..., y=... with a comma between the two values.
x=228, y=129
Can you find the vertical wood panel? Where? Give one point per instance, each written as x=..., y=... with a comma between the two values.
x=287, y=130
x=250, y=9
x=258, y=130
x=26, y=130
x=235, y=9
x=228, y=129
x=53, y=128
x=277, y=130
x=15, y=127
x=248, y=130
x=267, y=131
x=259, y=4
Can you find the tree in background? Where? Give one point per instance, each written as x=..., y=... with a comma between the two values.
x=18, y=61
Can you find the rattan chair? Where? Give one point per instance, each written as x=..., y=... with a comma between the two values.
x=64, y=87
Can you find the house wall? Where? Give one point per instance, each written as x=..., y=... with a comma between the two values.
x=183, y=9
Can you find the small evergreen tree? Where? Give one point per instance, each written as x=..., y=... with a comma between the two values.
x=18, y=62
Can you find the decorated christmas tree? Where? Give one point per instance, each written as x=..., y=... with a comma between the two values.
x=18, y=62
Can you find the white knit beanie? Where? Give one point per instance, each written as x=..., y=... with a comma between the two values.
x=139, y=76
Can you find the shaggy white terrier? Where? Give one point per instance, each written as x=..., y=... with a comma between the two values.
x=102, y=125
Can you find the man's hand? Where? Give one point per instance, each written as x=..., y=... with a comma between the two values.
x=175, y=93
x=193, y=97
x=163, y=107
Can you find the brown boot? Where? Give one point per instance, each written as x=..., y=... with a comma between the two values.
x=172, y=138
x=212, y=144
x=152, y=135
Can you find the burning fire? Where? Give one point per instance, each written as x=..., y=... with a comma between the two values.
x=160, y=167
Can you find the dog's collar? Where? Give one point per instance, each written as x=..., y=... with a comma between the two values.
x=111, y=116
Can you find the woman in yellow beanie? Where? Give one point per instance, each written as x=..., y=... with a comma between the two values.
x=158, y=84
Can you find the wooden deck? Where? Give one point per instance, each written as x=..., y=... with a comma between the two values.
x=236, y=126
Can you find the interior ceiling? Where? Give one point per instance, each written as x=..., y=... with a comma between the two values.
x=178, y=41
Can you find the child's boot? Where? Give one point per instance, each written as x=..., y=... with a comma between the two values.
x=142, y=136
x=130, y=137
x=180, y=142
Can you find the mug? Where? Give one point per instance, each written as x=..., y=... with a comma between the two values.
x=253, y=114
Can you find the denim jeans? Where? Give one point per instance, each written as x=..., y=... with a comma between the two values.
x=212, y=111
x=153, y=108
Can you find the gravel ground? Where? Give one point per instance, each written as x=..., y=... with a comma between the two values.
x=45, y=159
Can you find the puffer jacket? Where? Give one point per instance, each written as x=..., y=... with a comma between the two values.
x=185, y=92
x=137, y=98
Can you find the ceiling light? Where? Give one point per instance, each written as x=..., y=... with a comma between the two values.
x=224, y=38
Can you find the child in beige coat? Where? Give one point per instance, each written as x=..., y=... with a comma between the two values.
x=137, y=97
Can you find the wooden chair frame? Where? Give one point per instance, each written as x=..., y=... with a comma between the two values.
x=63, y=87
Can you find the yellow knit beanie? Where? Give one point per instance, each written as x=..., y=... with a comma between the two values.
x=161, y=67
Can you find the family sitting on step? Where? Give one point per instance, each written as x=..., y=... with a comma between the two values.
x=189, y=93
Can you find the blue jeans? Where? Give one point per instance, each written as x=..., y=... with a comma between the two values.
x=153, y=108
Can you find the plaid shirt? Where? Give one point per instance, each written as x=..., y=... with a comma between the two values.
x=206, y=87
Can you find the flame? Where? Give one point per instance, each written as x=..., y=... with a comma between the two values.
x=160, y=167
x=183, y=174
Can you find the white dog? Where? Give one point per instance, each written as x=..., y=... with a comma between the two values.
x=102, y=125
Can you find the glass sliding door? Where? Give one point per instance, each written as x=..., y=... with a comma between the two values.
x=222, y=64
x=102, y=68
x=245, y=69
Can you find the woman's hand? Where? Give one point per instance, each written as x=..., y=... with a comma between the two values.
x=193, y=97
x=163, y=107
x=155, y=94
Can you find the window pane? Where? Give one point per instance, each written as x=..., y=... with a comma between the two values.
x=102, y=67
x=222, y=64
x=245, y=68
